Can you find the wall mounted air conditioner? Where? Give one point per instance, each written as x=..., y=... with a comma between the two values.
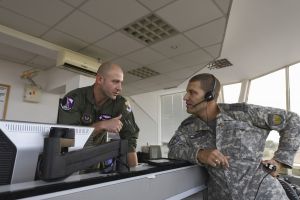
x=77, y=63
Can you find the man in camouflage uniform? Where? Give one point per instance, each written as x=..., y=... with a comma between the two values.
x=102, y=107
x=229, y=139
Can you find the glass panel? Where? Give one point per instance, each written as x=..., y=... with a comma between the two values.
x=269, y=90
x=294, y=74
x=294, y=88
x=173, y=112
x=232, y=93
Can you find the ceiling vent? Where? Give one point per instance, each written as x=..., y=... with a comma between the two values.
x=217, y=64
x=150, y=29
x=143, y=72
x=77, y=63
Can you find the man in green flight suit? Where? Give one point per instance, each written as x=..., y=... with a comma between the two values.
x=102, y=107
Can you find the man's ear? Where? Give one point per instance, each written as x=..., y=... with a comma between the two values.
x=99, y=79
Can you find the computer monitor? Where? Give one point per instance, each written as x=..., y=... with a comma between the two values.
x=21, y=143
x=154, y=151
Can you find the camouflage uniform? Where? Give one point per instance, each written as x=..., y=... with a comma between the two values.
x=78, y=108
x=241, y=132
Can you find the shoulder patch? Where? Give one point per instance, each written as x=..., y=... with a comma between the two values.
x=275, y=119
x=67, y=103
x=128, y=107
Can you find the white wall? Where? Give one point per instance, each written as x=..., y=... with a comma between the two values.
x=145, y=110
x=45, y=111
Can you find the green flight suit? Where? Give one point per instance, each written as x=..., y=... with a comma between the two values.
x=78, y=108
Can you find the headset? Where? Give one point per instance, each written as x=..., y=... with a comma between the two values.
x=210, y=95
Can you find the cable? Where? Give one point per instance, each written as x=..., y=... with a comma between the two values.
x=271, y=168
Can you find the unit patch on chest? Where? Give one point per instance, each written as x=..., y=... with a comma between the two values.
x=86, y=118
x=67, y=103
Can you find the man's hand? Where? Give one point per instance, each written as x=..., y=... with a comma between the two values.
x=112, y=125
x=213, y=157
x=279, y=166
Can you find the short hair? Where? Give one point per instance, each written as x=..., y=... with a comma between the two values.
x=206, y=81
x=105, y=67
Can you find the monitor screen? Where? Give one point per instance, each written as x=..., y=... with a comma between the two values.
x=21, y=143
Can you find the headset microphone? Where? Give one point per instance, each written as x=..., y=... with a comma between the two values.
x=199, y=103
x=210, y=95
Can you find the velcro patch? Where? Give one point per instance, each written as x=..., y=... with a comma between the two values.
x=275, y=119
x=67, y=103
x=128, y=107
x=86, y=118
x=104, y=117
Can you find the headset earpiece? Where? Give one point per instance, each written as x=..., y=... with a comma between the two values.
x=210, y=95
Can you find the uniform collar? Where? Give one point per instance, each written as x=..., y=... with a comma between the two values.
x=90, y=94
x=224, y=108
x=91, y=99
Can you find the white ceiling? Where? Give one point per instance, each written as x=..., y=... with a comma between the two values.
x=261, y=36
x=94, y=28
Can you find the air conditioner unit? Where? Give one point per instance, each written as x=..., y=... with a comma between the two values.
x=77, y=63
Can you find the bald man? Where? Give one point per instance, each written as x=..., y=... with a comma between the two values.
x=102, y=107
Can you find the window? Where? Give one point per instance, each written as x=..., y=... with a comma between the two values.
x=232, y=92
x=294, y=74
x=173, y=112
x=269, y=90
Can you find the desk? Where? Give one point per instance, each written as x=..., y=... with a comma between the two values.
x=174, y=182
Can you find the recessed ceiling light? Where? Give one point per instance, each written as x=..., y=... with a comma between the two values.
x=217, y=64
x=143, y=72
x=150, y=29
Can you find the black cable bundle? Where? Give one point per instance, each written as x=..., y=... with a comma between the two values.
x=290, y=189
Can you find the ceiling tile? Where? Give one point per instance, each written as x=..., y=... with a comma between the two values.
x=130, y=89
x=42, y=11
x=214, y=50
x=224, y=5
x=193, y=58
x=21, y=23
x=184, y=73
x=171, y=84
x=84, y=27
x=153, y=5
x=152, y=81
x=145, y=56
x=198, y=12
x=119, y=44
x=64, y=40
x=98, y=53
x=74, y=3
x=174, y=46
x=128, y=78
x=208, y=34
x=165, y=66
x=118, y=16
x=41, y=62
x=155, y=83
x=14, y=54
x=126, y=64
